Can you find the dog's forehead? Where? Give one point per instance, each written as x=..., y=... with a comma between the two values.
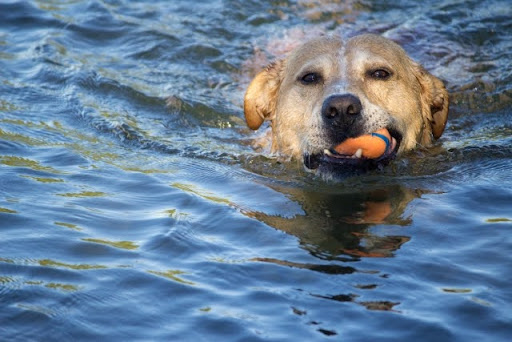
x=358, y=50
x=372, y=46
x=315, y=49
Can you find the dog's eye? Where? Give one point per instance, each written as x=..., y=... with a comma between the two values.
x=311, y=78
x=380, y=74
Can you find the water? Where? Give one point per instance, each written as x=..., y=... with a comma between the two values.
x=133, y=208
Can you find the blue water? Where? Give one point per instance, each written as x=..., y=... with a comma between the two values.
x=132, y=206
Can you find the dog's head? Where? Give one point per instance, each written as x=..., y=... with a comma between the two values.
x=327, y=91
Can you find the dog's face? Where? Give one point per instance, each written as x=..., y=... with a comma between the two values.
x=327, y=91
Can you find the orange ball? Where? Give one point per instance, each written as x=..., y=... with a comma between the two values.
x=372, y=146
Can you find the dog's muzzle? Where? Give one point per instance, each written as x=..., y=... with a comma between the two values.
x=331, y=161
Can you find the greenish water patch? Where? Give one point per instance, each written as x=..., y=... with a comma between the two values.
x=7, y=211
x=9, y=261
x=20, y=138
x=45, y=179
x=68, y=225
x=53, y=285
x=201, y=193
x=52, y=263
x=498, y=219
x=83, y=194
x=117, y=244
x=14, y=161
x=6, y=106
x=62, y=287
x=6, y=280
x=173, y=275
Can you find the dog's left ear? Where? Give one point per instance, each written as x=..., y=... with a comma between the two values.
x=261, y=96
x=435, y=104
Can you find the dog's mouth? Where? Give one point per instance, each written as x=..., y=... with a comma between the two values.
x=334, y=160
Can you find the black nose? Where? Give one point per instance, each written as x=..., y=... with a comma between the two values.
x=338, y=107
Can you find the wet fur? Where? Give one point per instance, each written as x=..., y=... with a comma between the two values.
x=412, y=101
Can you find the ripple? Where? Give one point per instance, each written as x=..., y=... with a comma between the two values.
x=26, y=16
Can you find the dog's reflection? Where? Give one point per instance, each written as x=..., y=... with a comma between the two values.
x=336, y=224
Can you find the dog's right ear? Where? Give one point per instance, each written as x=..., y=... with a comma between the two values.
x=261, y=96
x=435, y=104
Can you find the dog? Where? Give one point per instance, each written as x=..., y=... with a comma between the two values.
x=327, y=90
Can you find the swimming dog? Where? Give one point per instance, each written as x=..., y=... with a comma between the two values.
x=327, y=91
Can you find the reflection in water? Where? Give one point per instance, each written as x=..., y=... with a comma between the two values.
x=327, y=269
x=339, y=223
x=336, y=227
x=370, y=305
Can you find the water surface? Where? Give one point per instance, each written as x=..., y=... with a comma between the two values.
x=132, y=206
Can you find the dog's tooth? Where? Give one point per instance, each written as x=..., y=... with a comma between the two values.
x=359, y=153
x=328, y=153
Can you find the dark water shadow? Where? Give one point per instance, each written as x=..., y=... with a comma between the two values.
x=336, y=224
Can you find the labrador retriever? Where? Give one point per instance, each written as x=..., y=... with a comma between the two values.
x=327, y=91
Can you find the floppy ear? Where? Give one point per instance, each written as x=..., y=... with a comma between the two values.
x=435, y=104
x=261, y=96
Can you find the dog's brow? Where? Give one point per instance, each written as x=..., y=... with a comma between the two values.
x=364, y=56
x=316, y=63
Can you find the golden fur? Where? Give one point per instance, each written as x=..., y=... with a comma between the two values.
x=394, y=91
